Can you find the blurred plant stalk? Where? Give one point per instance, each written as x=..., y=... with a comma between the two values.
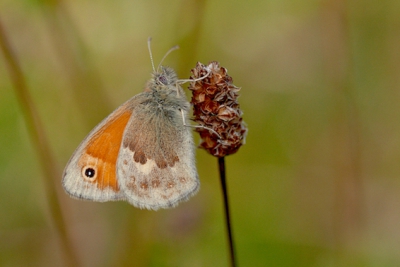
x=220, y=123
x=40, y=143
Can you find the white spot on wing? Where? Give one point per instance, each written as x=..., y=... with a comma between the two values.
x=145, y=168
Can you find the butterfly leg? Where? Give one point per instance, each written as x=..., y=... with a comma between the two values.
x=182, y=81
x=198, y=126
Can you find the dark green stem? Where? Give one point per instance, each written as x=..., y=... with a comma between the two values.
x=222, y=173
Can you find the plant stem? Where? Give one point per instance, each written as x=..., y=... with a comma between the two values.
x=222, y=173
x=40, y=143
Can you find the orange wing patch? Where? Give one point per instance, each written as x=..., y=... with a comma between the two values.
x=98, y=162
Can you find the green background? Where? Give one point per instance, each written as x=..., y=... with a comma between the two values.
x=317, y=183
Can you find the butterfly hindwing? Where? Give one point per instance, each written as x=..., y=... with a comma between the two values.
x=156, y=164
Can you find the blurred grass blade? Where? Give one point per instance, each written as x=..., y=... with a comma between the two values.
x=73, y=54
x=40, y=143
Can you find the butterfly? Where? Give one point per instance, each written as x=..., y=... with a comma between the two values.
x=142, y=153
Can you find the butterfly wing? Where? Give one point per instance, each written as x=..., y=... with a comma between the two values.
x=91, y=172
x=156, y=165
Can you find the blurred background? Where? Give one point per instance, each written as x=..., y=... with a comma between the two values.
x=317, y=183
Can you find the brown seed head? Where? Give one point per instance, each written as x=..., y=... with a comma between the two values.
x=215, y=107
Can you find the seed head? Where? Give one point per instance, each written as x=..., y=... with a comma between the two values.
x=215, y=107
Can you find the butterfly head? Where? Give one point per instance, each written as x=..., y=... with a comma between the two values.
x=165, y=76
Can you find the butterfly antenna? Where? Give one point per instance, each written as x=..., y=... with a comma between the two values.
x=151, y=55
x=166, y=54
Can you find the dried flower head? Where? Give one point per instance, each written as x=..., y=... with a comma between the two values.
x=216, y=107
